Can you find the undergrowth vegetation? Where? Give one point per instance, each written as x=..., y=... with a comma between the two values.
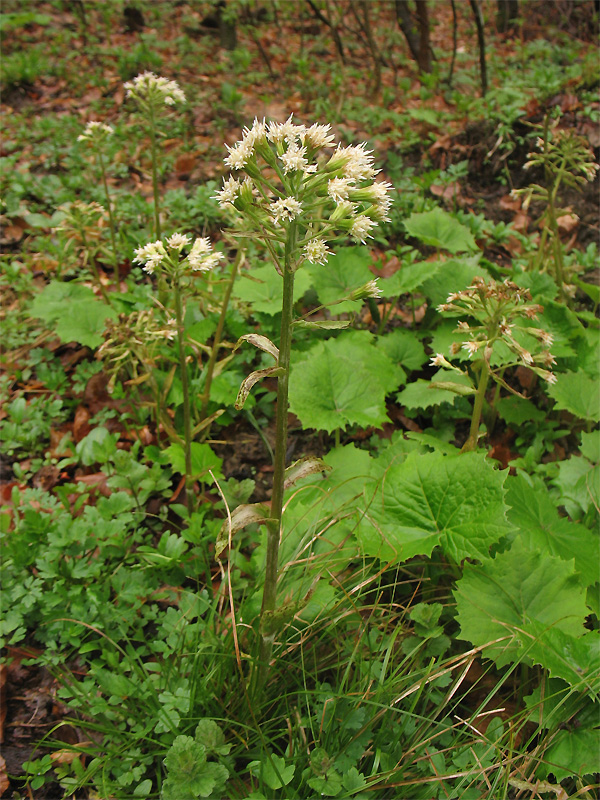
x=300, y=451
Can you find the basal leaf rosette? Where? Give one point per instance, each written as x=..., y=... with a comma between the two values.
x=286, y=173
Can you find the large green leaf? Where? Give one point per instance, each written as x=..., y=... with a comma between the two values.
x=345, y=271
x=424, y=394
x=454, y=276
x=73, y=311
x=263, y=288
x=432, y=499
x=342, y=381
x=409, y=277
x=516, y=597
x=440, y=229
x=578, y=481
x=572, y=753
x=539, y=527
x=577, y=393
x=575, y=660
x=403, y=348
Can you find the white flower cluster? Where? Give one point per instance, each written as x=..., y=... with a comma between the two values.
x=329, y=195
x=201, y=257
x=151, y=255
x=95, y=132
x=148, y=87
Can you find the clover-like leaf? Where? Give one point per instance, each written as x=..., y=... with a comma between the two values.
x=409, y=277
x=209, y=734
x=440, y=229
x=273, y=771
x=572, y=753
x=515, y=597
x=189, y=774
x=454, y=276
x=431, y=499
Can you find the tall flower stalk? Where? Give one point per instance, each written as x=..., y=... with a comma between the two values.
x=153, y=94
x=176, y=269
x=299, y=194
x=498, y=313
x=566, y=159
x=96, y=135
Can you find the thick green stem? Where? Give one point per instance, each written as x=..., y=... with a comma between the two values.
x=187, y=419
x=111, y=219
x=484, y=376
x=267, y=632
x=210, y=367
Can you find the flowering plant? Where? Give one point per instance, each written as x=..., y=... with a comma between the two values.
x=96, y=132
x=565, y=158
x=152, y=94
x=299, y=194
x=499, y=309
x=96, y=135
x=290, y=178
x=170, y=259
x=174, y=265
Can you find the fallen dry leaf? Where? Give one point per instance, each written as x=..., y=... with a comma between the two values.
x=567, y=223
x=4, y=781
x=508, y=203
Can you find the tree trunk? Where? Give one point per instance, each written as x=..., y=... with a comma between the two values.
x=407, y=26
x=481, y=42
x=506, y=15
x=417, y=38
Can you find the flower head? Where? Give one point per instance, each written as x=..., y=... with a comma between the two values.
x=361, y=227
x=178, y=241
x=148, y=88
x=339, y=188
x=278, y=132
x=286, y=208
x=439, y=360
x=239, y=154
x=151, y=255
x=229, y=192
x=327, y=198
x=95, y=132
x=316, y=251
x=318, y=136
x=202, y=257
x=294, y=158
x=370, y=289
